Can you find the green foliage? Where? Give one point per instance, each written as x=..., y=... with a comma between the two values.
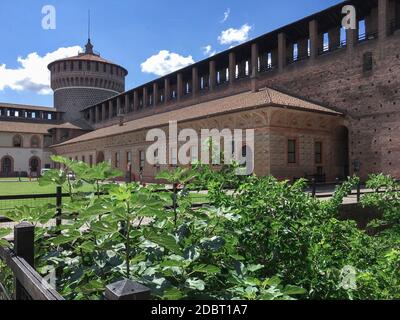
x=262, y=239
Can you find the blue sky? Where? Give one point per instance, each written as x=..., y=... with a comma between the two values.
x=129, y=33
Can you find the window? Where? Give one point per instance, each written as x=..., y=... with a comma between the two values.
x=318, y=152
x=97, y=66
x=104, y=68
x=65, y=66
x=142, y=161
x=88, y=65
x=91, y=160
x=35, y=142
x=7, y=166
x=367, y=61
x=17, y=141
x=80, y=65
x=292, y=151
x=48, y=141
x=72, y=66
x=129, y=159
x=116, y=160
x=83, y=159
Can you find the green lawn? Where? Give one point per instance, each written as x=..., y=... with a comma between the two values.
x=27, y=188
x=21, y=188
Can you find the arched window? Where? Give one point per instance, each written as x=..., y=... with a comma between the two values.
x=100, y=157
x=35, y=142
x=7, y=166
x=17, y=141
x=34, y=165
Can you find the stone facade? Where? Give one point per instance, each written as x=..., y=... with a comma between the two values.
x=271, y=136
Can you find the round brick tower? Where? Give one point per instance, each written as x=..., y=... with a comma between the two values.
x=84, y=80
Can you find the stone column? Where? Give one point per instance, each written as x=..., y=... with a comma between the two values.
x=254, y=66
x=232, y=68
x=383, y=18
x=351, y=38
x=110, y=109
x=119, y=105
x=167, y=90
x=135, y=100
x=155, y=94
x=127, y=103
x=179, y=86
x=254, y=60
x=145, y=97
x=97, y=114
x=195, y=81
x=212, y=75
x=314, y=39
x=103, y=111
x=282, y=51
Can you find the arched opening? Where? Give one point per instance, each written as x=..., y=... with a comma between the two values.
x=17, y=141
x=34, y=166
x=7, y=166
x=35, y=142
x=100, y=157
x=342, y=151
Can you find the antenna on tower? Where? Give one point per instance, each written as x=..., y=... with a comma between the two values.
x=89, y=24
x=89, y=46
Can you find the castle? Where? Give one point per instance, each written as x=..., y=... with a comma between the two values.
x=323, y=102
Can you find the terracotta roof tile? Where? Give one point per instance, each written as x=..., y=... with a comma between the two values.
x=237, y=102
x=25, y=127
x=26, y=107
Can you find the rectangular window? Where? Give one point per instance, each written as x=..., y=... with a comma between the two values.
x=128, y=159
x=91, y=160
x=83, y=159
x=80, y=65
x=97, y=66
x=142, y=159
x=292, y=151
x=104, y=68
x=116, y=160
x=318, y=152
x=88, y=65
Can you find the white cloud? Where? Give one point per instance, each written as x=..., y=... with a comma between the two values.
x=32, y=74
x=235, y=35
x=226, y=15
x=208, y=51
x=165, y=62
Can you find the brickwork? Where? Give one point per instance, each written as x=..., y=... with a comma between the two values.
x=73, y=100
x=271, y=136
x=358, y=76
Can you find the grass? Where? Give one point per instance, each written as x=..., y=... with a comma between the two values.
x=32, y=188
x=21, y=188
